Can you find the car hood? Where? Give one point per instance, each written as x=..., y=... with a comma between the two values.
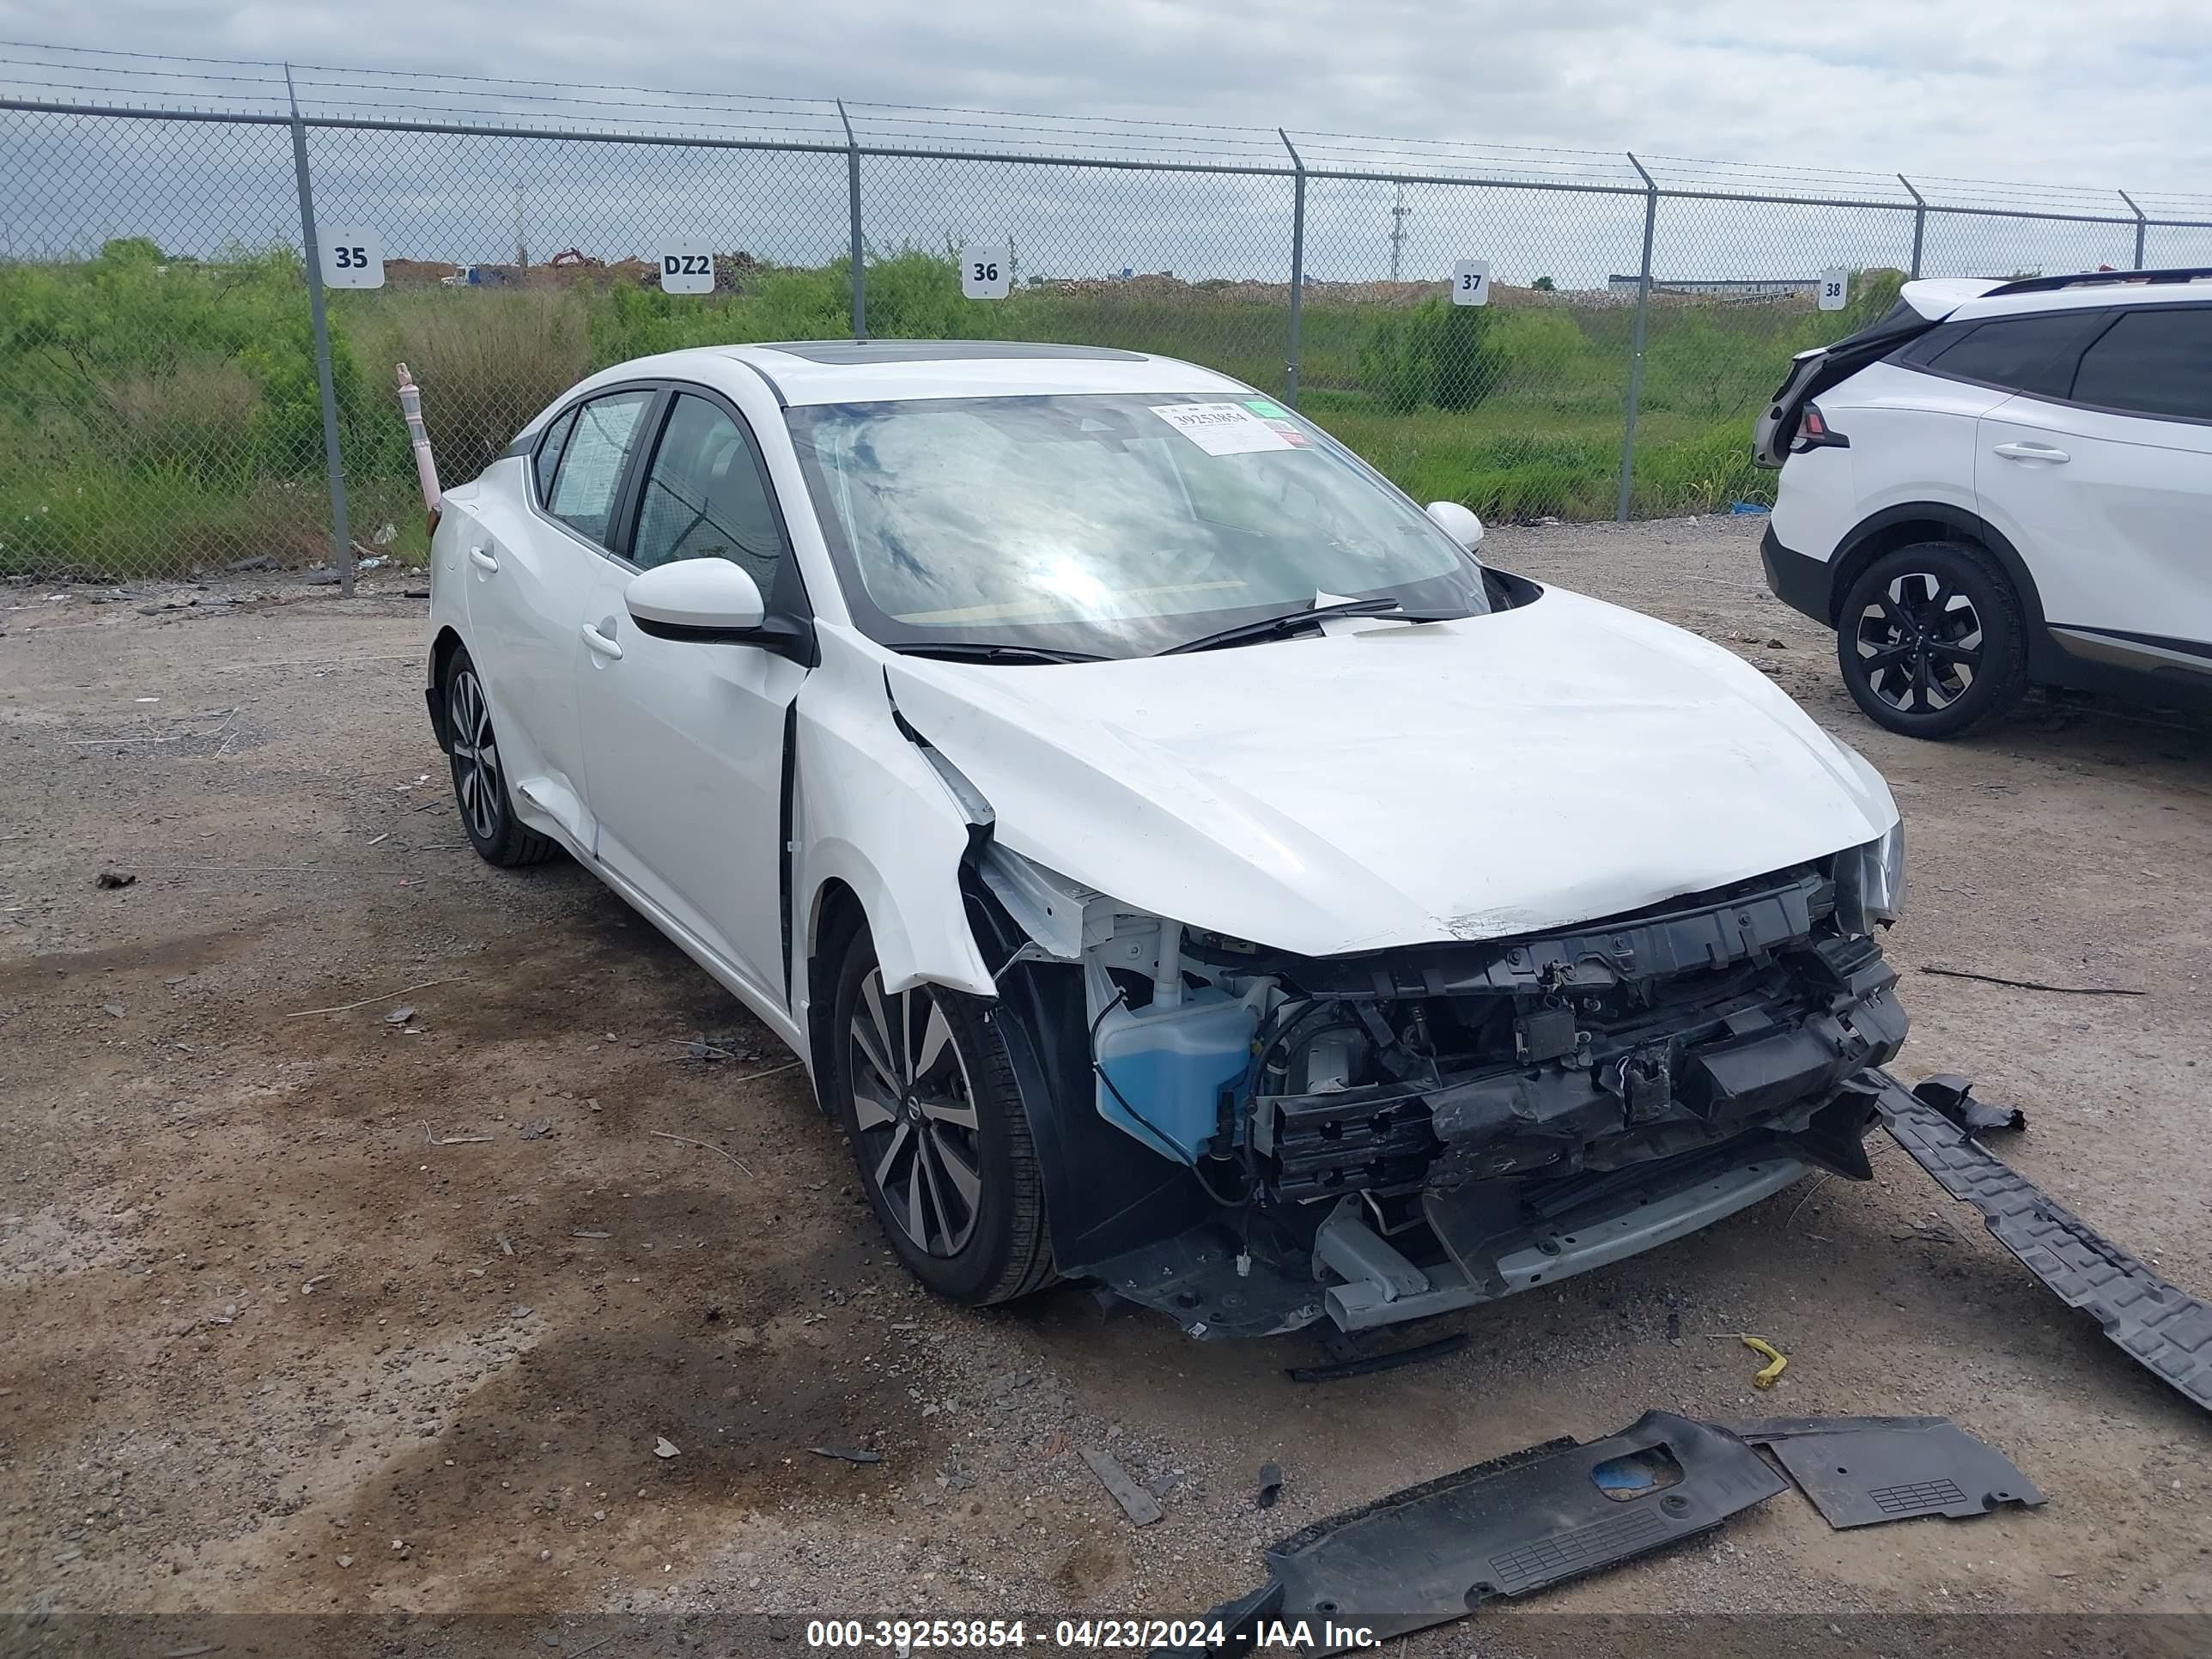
x=1391, y=784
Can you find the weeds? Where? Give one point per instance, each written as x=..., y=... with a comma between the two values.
x=160, y=414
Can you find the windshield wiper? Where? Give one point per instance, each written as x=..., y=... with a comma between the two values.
x=1289, y=621
x=983, y=651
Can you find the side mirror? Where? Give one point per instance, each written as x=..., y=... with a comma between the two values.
x=695, y=599
x=1457, y=522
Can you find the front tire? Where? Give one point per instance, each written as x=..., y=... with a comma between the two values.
x=480, y=788
x=1931, y=640
x=927, y=1095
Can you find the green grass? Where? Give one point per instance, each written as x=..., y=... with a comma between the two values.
x=163, y=415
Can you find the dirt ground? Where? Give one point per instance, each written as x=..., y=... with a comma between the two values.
x=312, y=1305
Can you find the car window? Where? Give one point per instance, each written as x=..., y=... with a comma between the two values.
x=2153, y=361
x=2026, y=354
x=705, y=498
x=547, y=461
x=591, y=471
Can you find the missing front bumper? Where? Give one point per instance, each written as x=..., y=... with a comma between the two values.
x=1597, y=1234
x=1220, y=1283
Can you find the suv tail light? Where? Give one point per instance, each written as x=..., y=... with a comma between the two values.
x=1814, y=431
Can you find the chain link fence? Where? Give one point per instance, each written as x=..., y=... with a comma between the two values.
x=162, y=371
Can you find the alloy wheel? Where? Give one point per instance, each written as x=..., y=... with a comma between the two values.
x=913, y=1110
x=476, y=756
x=1919, y=644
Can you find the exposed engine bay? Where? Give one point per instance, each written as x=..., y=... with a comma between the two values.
x=1392, y=1135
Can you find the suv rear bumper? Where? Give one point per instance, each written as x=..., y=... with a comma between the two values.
x=1798, y=580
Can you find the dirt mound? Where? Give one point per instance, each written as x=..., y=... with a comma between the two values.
x=416, y=273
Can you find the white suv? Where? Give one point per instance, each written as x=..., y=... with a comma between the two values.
x=2003, y=484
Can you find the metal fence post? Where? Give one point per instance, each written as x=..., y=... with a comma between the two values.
x=2138, y=212
x=341, y=540
x=1297, y=265
x=853, y=196
x=1635, y=354
x=1919, y=223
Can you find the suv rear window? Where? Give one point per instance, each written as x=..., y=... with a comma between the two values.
x=2034, y=354
x=2153, y=360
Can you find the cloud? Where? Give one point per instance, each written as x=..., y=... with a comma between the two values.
x=2009, y=89
x=1844, y=96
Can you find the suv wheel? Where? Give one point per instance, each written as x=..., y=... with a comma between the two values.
x=1930, y=639
x=928, y=1097
x=479, y=780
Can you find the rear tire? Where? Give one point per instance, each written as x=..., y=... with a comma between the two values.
x=923, y=1086
x=1931, y=640
x=479, y=780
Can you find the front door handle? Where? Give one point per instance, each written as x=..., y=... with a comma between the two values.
x=2030, y=452
x=600, y=643
x=482, y=558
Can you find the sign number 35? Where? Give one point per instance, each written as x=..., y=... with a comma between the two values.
x=351, y=256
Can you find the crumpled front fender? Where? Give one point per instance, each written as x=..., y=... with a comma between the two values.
x=872, y=813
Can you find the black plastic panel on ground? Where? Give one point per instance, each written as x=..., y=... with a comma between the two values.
x=2165, y=1329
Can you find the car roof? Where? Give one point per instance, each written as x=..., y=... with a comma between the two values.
x=807, y=372
x=1963, y=299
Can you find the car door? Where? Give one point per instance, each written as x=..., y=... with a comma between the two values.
x=684, y=741
x=2106, y=491
x=531, y=566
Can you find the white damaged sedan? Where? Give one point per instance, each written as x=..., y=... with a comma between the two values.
x=1177, y=860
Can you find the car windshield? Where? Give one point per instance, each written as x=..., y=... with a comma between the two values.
x=1108, y=524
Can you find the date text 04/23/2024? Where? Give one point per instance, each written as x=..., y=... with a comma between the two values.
x=913, y=1636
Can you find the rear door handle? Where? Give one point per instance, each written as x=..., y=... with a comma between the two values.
x=2030, y=452
x=600, y=643
x=483, y=559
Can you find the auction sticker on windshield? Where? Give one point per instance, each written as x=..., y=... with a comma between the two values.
x=1221, y=428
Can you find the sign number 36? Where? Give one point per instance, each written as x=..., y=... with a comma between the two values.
x=989, y=278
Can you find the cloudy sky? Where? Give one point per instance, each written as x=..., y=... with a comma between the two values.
x=2076, y=102
x=2116, y=94
x=2000, y=90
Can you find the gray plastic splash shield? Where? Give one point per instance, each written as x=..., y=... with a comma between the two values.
x=1436, y=1551
x=1861, y=1471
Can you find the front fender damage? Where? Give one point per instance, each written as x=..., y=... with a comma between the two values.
x=874, y=815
